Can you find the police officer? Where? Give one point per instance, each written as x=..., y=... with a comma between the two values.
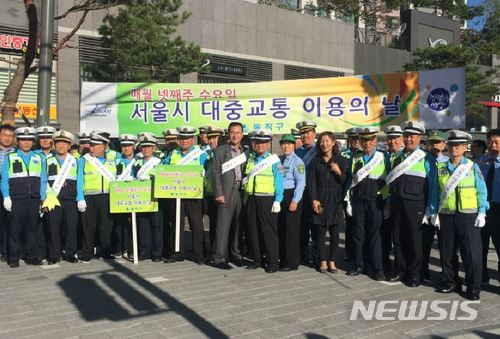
x=150, y=223
x=98, y=170
x=296, y=135
x=436, y=143
x=307, y=152
x=23, y=185
x=368, y=171
x=353, y=146
x=263, y=189
x=188, y=154
x=411, y=181
x=213, y=134
x=6, y=147
x=490, y=167
x=462, y=209
x=203, y=139
x=84, y=143
x=122, y=227
x=294, y=182
x=68, y=189
x=111, y=154
x=389, y=234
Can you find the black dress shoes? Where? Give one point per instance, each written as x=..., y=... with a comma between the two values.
x=14, y=264
x=70, y=259
x=412, y=283
x=379, y=277
x=223, y=266
x=446, y=288
x=52, y=261
x=472, y=295
x=271, y=269
x=237, y=262
x=393, y=278
x=356, y=271
x=33, y=262
x=284, y=269
x=252, y=266
x=156, y=259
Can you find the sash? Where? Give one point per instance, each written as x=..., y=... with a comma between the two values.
x=366, y=169
x=148, y=166
x=63, y=174
x=309, y=155
x=400, y=169
x=190, y=156
x=126, y=173
x=458, y=174
x=231, y=164
x=269, y=161
x=106, y=174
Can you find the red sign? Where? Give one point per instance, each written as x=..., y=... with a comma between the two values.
x=15, y=42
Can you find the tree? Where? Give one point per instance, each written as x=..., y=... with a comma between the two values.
x=24, y=64
x=141, y=44
x=478, y=84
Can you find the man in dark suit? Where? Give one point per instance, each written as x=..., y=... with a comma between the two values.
x=228, y=168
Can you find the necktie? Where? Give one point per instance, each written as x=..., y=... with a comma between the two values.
x=489, y=179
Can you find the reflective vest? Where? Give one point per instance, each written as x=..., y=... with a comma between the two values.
x=412, y=184
x=138, y=165
x=93, y=181
x=373, y=184
x=68, y=191
x=208, y=184
x=24, y=181
x=177, y=156
x=262, y=183
x=465, y=190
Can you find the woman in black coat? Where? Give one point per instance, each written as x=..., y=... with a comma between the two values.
x=325, y=183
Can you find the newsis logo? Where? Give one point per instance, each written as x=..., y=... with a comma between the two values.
x=414, y=310
x=99, y=111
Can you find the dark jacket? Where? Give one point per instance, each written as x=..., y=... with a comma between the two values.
x=223, y=183
x=327, y=187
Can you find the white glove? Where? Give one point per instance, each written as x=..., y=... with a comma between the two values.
x=387, y=210
x=276, y=207
x=425, y=220
x=144, y=177
x=480, y=220
x=435, y=221
x=348, y=209
x=7, y=204
x=82, y=206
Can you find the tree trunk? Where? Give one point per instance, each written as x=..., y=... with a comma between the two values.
x=11, y=94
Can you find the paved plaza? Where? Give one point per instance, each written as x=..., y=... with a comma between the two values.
x=117, y=299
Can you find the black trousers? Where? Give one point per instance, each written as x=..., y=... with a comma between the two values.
x=262, y=230
x=150, y=234
x=389, y=241
x=228, y=229
x=63, y=219
x=96, y=219
x=121, y=237
x=289, y=232
x=349, y=228
x=318, y=233
x=367, y=216
x=491, y=229
x=4, y=229
x=458, y=232
x=407, y=215
x=23, y=219
x=167, y=208
x=212, y=219
x=43, y=235
x=305, y=227
x=193, y=210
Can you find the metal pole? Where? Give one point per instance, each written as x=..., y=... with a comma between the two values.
x=45, y=63
x=178, y=225
x=134, y=238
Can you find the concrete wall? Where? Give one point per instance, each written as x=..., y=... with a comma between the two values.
x=370, y=59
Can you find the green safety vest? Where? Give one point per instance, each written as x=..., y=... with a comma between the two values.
x=24, y=181
x=93, y=181
x=52, y=161
x=465, y=190
x=379, y=172
x=208, y=185
x=177, y=156
x=262, y=183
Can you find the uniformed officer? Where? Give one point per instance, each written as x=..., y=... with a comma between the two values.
x=307, y=152
x=98, y=170
x=353, y=145
x=67, y=188
x=171, y=140
x=490, y=167
x=7, y=136
x=150, y=223
x=411, y=181
x=111, y=154
x=188, y=154
x=462, y=206
x=366, y=194
x=436, y=144
x=263, y=190
x=213, y=134
x=23, y=185
x=84, y=143
x=296, y=135
x=389, y=233
x=294, y=182
x=121, y=240
x=203, y=139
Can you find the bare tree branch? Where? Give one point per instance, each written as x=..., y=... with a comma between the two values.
x=73, y=31
x=10, y=62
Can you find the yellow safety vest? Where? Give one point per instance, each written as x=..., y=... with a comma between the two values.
x=263, y=182
x=465, y=190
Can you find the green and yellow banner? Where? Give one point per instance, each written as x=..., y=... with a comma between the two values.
x=178, y=181
x=131, y=196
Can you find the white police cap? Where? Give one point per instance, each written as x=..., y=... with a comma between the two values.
x=63, y=136
x=128, y=139
x=458, y=137
x=99, y=138
x=367, y=132
x=147, y=140
x=352, y=132
x=25, y=133
x=45, y=132
x=306, y=126
x=262, y=135
x=186, y=131
x=83, y=137
x=213, y=131
x=412, y=127
x=393, y=131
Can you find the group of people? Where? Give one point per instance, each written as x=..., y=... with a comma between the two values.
x=273, y=209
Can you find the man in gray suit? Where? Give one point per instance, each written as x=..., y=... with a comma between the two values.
x=229, y=162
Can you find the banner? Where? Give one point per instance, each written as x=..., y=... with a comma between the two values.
x=131, y=196
x=178, y=181
x=436, y=98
